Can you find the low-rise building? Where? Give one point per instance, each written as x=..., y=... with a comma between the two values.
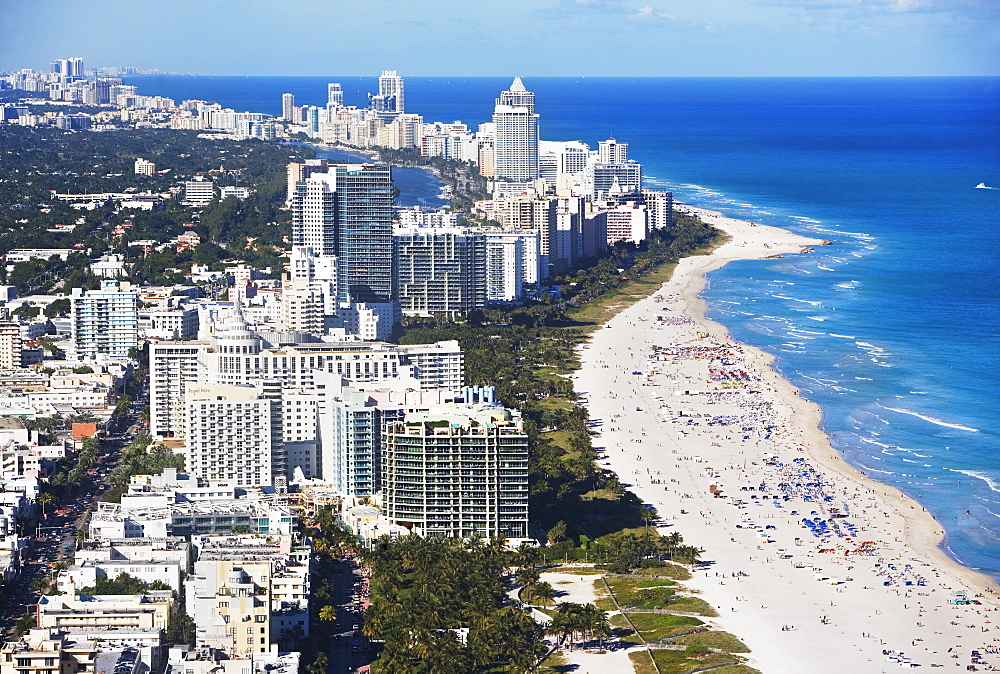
x=47, y=651
x=265, y=516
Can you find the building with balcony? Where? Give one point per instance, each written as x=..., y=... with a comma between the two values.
x=458, y=472
x=105, y=321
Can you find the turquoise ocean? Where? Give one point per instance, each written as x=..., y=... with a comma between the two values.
x=893, y=329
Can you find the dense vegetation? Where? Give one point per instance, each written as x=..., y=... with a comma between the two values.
x=38, y=161
x=440, y=605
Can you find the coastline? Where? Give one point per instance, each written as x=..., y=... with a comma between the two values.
x=841, y=612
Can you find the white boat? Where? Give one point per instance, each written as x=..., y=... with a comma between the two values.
x=982, y=186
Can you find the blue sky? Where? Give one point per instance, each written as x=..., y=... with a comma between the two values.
x=498, y=37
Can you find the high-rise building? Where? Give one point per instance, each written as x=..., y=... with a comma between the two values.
x=299, y=172
x=312, y=120
x=229, y=434
x=440, y=270
x=347, y=212
x=611, y=173
x=627, y=222
x=235, y=355
x=403, y=131
x=515, y=143
x=388, y=102
x=10, y=346
x=75, y=66
x=457, y=473
x=350, y=434
x=309, y=295
x=659, y=208
x=504, y=268
x=334, y=95
x=606, y=181
x=105, y=321
x=288, y=107
x=610, y=151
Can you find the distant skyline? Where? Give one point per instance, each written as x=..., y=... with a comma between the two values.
x=668, y=38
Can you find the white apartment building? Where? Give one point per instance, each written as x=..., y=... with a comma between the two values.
x=144, y=167
x=168, y=322
x=440, y=270
x=515, y=140
x=105, y=321
x=236, y=356
x=418, y=216
x=199, y=192
x=504, y=268
x=128, y=612
x=627, y=222
x=149, y=559
x=557, y=158
x=229, y=435
x=194, y=518
x=402, y=132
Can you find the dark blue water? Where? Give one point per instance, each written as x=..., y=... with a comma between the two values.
x=893, y=329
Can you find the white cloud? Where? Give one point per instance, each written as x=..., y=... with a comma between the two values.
x=951, y=6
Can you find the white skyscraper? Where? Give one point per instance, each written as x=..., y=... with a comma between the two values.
x=516, y=137
x=388, y=103
x=610, y=151
x=288, y=107
x=334, y=95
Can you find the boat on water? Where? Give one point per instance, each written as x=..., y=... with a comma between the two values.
x=982, y=186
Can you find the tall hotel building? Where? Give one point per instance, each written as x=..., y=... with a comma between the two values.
x=334, y=95
x=457, y=473
x=515, y=144
x=347, y=212
x=389, y=101
x=288, y=107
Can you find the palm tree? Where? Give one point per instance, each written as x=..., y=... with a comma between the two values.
x=526, y=576
x=687, y=554
x=327, y=613
x=541, y=593
x=318, y=665
x=46, y=498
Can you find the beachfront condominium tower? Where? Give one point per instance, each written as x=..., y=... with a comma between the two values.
x=515, y=143
x=460, y=473
x=288, y=107
x=388, y=102
x=347, y=212
x=440, y=270
x=334, y=95
x=610, y=151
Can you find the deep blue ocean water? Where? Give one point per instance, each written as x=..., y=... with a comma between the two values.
x=893, y=329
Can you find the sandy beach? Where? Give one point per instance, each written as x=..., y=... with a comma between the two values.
x=814, y=566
